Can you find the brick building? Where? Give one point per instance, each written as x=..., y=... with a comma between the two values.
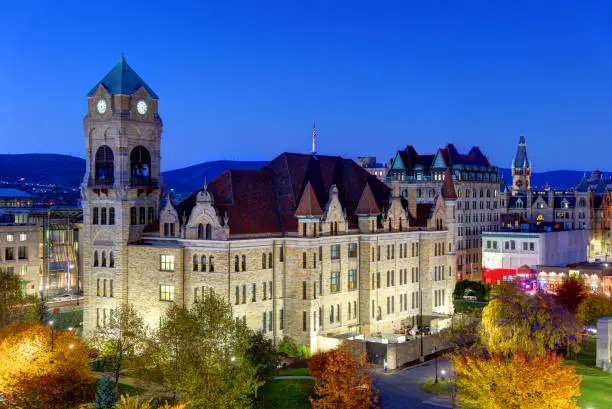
x=307, y=246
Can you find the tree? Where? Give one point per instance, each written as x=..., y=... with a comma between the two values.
x=200, y=355
x=317, y=363
x=594, y=307
x=263, y=355
x=40, y=369
x=518, y=382
x=44, y=315
x=479, y=289
x=15, y=305
x=127, y=403
x=516, y=321
x=345, y=382
x=121, y=341
x=106, y=396
x=571, y=292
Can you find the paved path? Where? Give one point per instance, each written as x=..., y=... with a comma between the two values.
x=295, y=377
x=401, y=390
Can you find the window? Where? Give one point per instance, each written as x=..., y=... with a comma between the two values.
x=281, y=254
x=304, y=288
x=23, y=237
x=200, y=231
x=150, y=214
x=133, y=219
x=352, y=250
x=304, y=320
x=525, y=245
x=211, y=262
x=282, y=319
x=243, y=263
x=334, y=282
x=265, y=290
x=104, y=259
x=111, y=215
x=271, y=288
x=98, y=287
x=22, y=253
x=143, y=216
x=354, y=309
x=237, y=295
x=531, y=246
x=254, y=293
x=236, y=264
x=269, y=260
x=335, y=251
x=264, y=317
x=377, y=280
x=304, y=259
x=331, y=315
x=269, y=320
x=111, y=260
x=103, y=216
x=95, y=257
x=195, y=262
x=166, y=292
x=110, y=288
x=352, y=279
x=263, y=261
x=95, y=215
x=166, y=263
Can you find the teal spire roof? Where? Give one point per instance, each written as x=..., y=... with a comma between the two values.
x=122, y=80
x=520, y=160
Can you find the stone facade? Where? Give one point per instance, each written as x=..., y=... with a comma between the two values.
x=20, y=253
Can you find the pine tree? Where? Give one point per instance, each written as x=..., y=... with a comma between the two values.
x=44, y=315
x=105, y=395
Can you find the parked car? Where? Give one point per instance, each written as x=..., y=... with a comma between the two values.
x=65, y=297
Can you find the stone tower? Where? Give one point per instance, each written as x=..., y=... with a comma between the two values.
x=121, y=187
x=521, y=169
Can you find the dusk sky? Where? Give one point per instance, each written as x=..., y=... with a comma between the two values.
x=244, y=80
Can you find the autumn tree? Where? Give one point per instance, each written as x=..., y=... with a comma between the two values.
x=518, y=322
x=122, y=340
x=127, y=403
x=40, y=369
x=345, y=382
x=200, y=355
x=317, y=363
x=519, y=382
x=594, y=307
x=571, y=292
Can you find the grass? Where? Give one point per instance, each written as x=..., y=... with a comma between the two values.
x=596, y=386
x=288, y=393
x=65, y=320
x=467, y=306
x=294, y=372
x=131, y=390
x=441, y=388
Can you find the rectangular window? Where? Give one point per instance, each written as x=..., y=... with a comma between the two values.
x=377, y=280
x=304, y=320
x=23, y=237
x=334, y=282
x=244, y=293
x=264, y=318
x=111, y=289
x=237, y=295
x=304, y=290
x=388, y=305
x=320, y=283
x=254, y=295
x=388, y=277
x=392, y=304
x=392, y=278
x=270, y=321
x=8, y=253
x=352, y=250
x=281, y=254
x=282, y=319
x=531, y=246
x=378, y=253
x=512, y=244
x=373, y=309
x=95, y=216
x=320, y=253
x=271, y=288
x=525, y=245
x=22, y=253
x=265, y=291
x=166, y=292
x=352, y=279
x=150, y=211
x=335, y=251
x=166, y=262
x=103, y=216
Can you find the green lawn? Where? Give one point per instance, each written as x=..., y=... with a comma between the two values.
x=284, y=394
x=596, y=386
x=125, y=389
x=294, y=372
x=441, y=388
x=467, y=306
x=65, y=320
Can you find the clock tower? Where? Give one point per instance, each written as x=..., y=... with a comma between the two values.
x=521, y=169
x=121, y=188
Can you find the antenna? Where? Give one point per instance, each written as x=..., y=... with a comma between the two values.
x=314, y=138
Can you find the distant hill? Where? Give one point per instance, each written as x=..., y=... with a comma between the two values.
x=42, y=168
x=67, y=171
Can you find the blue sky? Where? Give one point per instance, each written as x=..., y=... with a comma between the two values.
x=244, y=80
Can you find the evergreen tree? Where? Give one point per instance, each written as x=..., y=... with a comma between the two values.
x=105, y=395
x=44, y=315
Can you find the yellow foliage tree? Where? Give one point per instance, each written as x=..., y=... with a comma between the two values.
x=594, y=307
x=517, y=382
x=127, y=403
x=344, y=382
x=41, y=370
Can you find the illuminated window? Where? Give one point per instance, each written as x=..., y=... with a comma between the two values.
x=166, y=263
x=166, y=292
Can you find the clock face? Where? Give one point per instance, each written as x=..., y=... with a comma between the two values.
x=141, y=107
x=101, y=106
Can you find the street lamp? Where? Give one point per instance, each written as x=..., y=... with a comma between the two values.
x=52, y=335
x=436, y=361
x=443, y=372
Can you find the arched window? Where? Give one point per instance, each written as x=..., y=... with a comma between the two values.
x=269, y=260
x=243, y=263
x=204, y=263
x=150, y=214
x=140, y=167
x=200, y=231
x=211, y=263
x=208, y=231
x=104, y=166
x=104, y=291
x=236, y=264
x=488, y=192
x=95, y=261
x=133, y=217
x=304, y=229
x=263, y=260
x=111, y=260
x=111, y=215
x=142, y=215
x=104, y=259
x=195, y=262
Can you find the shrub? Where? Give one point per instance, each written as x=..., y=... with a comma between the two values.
x=105, y=395
x=290, y=348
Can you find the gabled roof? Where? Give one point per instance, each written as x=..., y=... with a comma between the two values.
x=122, y=80
x=309, y=205
x=444, y=158
x=448, y=187
x=367, y=204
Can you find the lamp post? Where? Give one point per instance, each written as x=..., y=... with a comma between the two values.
x=52, y=335
x=436, y=361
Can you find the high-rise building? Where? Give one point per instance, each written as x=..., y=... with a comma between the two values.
x=309, y=246
x=475, y=180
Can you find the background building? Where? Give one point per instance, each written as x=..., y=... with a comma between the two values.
x=374, y=168
x=595, y=275
x=476, y=184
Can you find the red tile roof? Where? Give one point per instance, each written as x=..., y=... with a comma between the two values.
x=367, y=204
x=309, y=205
x=448, y=187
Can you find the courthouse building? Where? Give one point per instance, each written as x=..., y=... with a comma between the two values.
x=309, y=246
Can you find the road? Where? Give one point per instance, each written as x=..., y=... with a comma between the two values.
x=401, y=390
x=65, y=306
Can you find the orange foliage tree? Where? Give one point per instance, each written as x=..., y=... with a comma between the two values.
x=571, y=292
x=317, y=362
x=33, y=375
x=344, y=382
x=518, y=382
